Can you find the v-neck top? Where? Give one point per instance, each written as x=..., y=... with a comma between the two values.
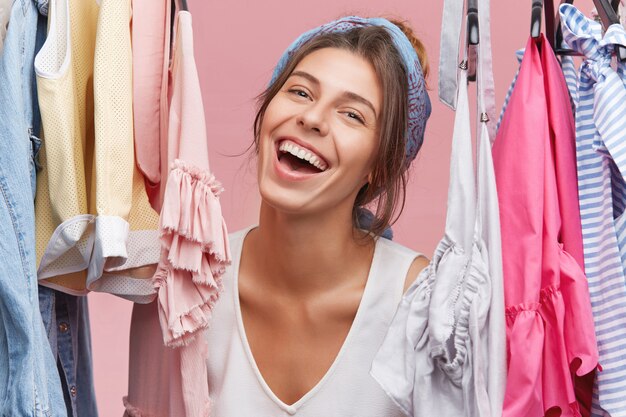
x=236, y=385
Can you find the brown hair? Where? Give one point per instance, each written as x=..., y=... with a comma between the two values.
x=387, y=186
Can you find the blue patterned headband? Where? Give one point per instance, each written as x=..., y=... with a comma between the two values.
x=418, y=100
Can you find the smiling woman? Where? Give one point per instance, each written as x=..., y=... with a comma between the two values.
x=313, y=287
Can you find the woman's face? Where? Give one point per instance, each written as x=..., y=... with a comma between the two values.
x=319, y=134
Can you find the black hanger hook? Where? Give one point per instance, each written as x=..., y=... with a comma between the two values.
x=535, y=18
x=473, y=39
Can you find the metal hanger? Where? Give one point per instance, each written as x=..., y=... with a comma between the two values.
x=176, y=5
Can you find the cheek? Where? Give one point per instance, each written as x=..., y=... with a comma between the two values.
x=278, y=110
x=357, y=156
x=276, y=114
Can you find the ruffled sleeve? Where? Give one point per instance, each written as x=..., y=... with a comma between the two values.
x=194, y=237
x=195, y=252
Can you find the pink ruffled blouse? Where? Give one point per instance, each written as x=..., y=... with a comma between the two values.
x=194, y=254
x=550, y=331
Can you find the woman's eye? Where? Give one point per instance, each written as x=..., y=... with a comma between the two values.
x=353, y=115
x=299, y=92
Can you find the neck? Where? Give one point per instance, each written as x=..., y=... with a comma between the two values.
x=307, y=254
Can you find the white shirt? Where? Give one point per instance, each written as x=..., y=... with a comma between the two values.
x=237, y=387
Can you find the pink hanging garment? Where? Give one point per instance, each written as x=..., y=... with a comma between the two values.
x=154, y=370
x=193, y=232
x=151, y=39
x=194, y=254
x=549, y=322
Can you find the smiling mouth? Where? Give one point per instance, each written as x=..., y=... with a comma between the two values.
x=299, y=159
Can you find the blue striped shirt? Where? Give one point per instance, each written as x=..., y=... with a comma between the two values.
x=599, y=93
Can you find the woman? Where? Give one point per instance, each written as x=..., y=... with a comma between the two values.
x=312, y=289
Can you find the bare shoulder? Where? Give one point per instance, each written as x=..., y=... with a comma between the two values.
x=416, y=267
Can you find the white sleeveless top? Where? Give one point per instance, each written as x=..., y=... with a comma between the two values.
x=237, y=387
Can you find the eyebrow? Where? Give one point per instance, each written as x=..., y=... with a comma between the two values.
x=347, y=94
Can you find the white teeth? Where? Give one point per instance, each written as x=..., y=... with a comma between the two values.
x=303, y=154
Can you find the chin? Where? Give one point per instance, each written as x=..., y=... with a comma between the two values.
x=284, y=199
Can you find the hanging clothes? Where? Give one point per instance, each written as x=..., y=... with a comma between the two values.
x=600, y=130
x=549, y=322
x=151, y=48
x=193, y=233
x=194, y=254
x=583, y=385
x=95, y=227
x=444, y=354
x=29, y=381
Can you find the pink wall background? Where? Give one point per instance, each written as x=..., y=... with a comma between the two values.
x=237, y=44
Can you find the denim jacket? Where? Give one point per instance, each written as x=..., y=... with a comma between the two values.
x=29, y=380
x=66, y=319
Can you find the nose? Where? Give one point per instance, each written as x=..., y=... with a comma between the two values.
x=313, y=118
